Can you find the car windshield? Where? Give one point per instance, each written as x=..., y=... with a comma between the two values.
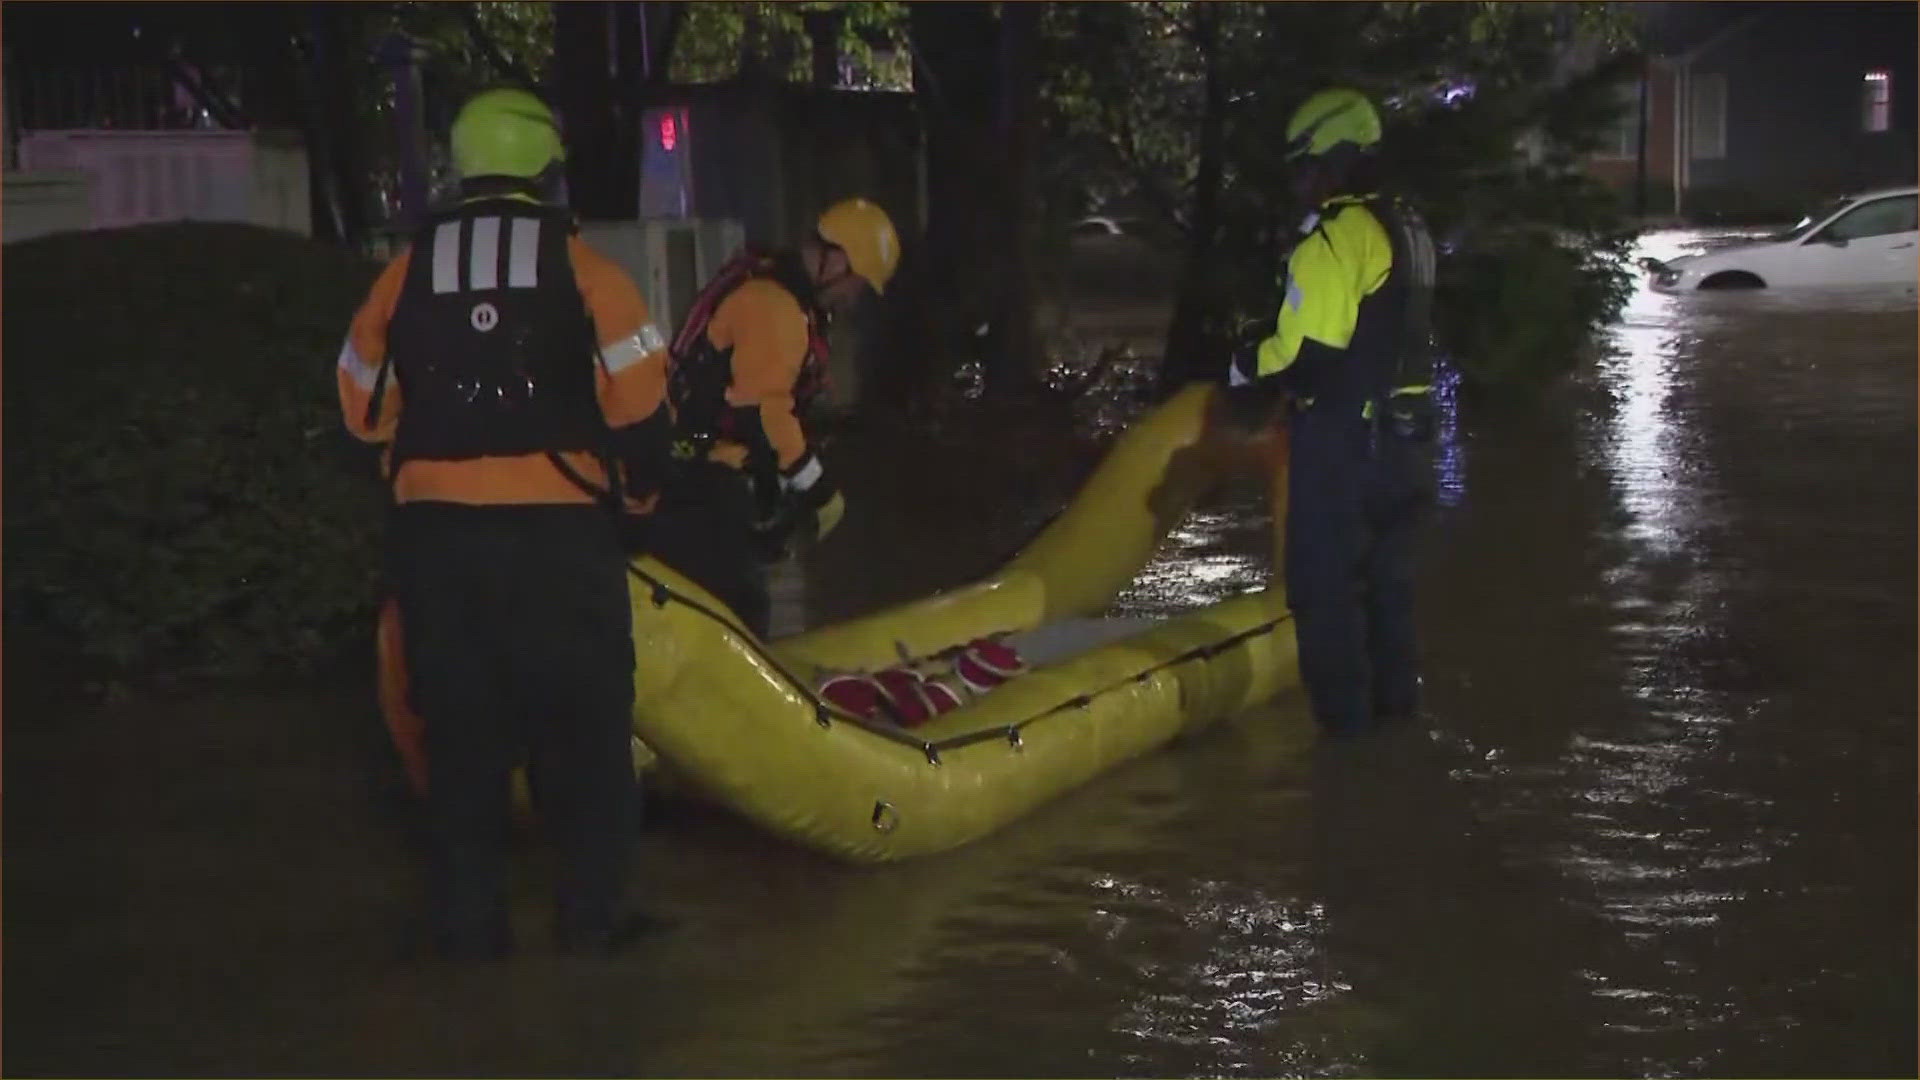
x=1805, y=225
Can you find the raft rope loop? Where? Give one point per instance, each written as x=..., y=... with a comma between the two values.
x=825, y=712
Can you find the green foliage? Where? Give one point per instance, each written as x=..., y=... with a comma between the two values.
x=180, y=496
x=473, y=46
x=1497, y=172
x=464, y=48
x=719, y=34
x=1521, y=313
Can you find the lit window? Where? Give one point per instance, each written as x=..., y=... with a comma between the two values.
x=1877, y=100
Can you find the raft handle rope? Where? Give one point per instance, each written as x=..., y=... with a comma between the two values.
x=825, y=712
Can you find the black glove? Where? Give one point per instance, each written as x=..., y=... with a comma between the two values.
x=645, y=454
x=1410, y=415
x=803, y=504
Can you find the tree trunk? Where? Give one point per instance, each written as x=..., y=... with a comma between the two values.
x=659, y=24
x=340, y=71
x=823, y=33
x=1010, y=363
x=1191, y=352
x=959, y=80
x=603, y=150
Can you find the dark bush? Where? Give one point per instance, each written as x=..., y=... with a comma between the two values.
x=181, y=497
x=1520, y=313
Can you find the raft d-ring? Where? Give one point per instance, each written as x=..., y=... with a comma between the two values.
x=1014, y=740
x=885, y=817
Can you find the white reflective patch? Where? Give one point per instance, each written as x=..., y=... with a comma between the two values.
x=1294, y=296
x=1235, y=377
x=483, y=265
x=362, y=373
x=810, y=473
x=523, y=254
x=650, y=338
x=630, y=350
x=446, y=258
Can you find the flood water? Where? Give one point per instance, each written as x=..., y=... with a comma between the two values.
x=1659, y=818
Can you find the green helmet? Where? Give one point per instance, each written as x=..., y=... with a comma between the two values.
x=1329, y=119
x=506, y=133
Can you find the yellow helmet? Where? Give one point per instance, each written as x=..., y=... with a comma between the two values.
x=863, y=230
x=1330, y=118
x=506, y=133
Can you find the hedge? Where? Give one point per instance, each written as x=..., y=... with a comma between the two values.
x=180, y=495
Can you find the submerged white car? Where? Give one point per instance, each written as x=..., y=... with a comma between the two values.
x=1858, y=240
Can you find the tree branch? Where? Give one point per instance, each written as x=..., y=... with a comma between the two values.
x=477, y=33
x=1126, y=151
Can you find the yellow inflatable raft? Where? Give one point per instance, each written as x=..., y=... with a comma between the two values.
x=742, y=722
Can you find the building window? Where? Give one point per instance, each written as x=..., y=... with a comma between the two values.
x=1709, y=117
x=1622, y=140
x=1876, y=95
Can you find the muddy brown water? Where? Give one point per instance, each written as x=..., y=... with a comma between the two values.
x=1658, y=820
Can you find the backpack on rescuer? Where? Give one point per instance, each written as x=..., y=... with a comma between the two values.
x=1407, y=395
x=699, y=374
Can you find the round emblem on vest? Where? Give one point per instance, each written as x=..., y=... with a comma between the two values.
x=485, y=317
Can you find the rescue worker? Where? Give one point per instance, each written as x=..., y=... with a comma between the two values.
x=1345, y=361
x=512, y=369
x=746, y=364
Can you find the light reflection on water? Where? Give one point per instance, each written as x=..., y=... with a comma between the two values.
x=1631, y=780
x=1652, y=881
x=1215, y=554
x=1643, y=450
x=1667, y=829
x=1260, y=959
x=1450, y=458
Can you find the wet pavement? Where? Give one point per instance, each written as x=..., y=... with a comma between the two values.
x=1658, y=820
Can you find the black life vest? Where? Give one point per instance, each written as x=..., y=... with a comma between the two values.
x=491, y=341
x=699, y=374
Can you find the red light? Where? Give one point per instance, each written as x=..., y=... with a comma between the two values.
x=667, y=134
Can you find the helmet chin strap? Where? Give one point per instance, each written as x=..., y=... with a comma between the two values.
x=819, y=268
x=1339, y=166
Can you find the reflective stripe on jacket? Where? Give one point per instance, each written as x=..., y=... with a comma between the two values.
x=1353, y=318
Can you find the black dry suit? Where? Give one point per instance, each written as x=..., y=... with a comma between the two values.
x=1350, y=349
x=515, y=617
